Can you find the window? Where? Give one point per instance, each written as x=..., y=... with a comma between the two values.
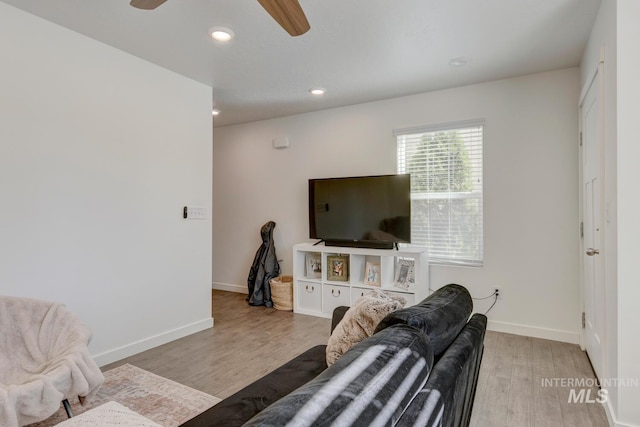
x=445, y=163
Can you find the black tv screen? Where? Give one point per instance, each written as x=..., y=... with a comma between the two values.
x=365, y=211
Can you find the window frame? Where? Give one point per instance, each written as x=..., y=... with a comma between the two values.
x=474, y=194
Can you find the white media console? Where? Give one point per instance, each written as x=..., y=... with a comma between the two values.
x=325, y=277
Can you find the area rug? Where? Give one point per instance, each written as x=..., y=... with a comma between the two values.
x=166, y=402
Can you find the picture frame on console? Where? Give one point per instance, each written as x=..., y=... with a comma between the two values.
x=314, y=266
x=338, y=268
x=372, y=274
x=405, y=274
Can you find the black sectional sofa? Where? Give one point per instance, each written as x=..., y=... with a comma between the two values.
x=420, y=368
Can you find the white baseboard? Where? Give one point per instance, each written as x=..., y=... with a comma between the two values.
x=611, y=418
x=509, y=328
x=120, y=353
x=229, y=288
x=609, y=412
x=535, y=332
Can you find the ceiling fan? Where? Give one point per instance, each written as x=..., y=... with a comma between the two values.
x=287, y=13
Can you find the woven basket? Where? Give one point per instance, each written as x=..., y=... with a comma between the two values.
x=282, y=292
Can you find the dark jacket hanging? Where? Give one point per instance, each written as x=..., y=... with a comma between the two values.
x=264, y=268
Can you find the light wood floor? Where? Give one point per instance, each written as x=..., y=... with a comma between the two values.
x=511, y=391
x=247, y=342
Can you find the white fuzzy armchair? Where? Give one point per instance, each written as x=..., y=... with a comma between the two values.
x=44, y=360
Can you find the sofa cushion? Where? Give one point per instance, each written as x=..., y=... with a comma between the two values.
x=360, y=321
x=372, y=383
x=441, y=316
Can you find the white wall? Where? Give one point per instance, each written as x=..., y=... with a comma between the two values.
x=629, y=207
x=628, y=231
x=99, y=151
x=531, y=189
x=628, y=153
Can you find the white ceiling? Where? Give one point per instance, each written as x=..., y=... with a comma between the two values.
x=359, y=50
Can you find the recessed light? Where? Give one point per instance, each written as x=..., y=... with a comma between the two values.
x=221, y=34
x=215, y=112
x=317, y=91
x=460, y=61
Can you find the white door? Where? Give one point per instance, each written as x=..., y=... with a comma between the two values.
x=591, y=112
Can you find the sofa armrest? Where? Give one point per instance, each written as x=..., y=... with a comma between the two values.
x=450, y=390
x=338, y=314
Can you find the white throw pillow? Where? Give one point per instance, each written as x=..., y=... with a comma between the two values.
x=360, y=321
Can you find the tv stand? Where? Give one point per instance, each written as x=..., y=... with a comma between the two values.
x=316, y=292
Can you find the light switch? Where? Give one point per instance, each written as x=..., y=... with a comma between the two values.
x=194, y=212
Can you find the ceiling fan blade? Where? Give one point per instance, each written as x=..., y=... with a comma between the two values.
x=146, y=4
x=289, y=14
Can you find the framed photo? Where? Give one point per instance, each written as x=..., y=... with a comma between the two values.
x=314, y=265
x=405, y=274
x=338, y=268
x=372, y=274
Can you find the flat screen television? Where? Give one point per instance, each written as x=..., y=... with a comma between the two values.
x=364, y=211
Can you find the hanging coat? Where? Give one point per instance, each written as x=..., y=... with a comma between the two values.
x=264, y=268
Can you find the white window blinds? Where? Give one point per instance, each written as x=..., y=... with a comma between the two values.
x=445, y=163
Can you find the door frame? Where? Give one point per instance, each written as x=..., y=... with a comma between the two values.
x=597, y=73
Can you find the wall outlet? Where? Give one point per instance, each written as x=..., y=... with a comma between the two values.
x=498, y=291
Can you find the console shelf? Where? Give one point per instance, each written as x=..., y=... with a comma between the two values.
x=325, y=277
